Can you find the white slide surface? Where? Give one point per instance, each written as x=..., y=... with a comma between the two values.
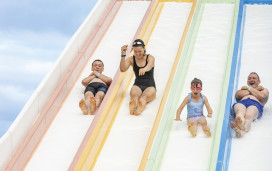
x=208, y=63
x=60, y=143
x=253, y=151
x=125, y=145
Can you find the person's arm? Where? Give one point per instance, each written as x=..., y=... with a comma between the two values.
x=208, y=107
x=182, y=105
x=149, y=66
x=103, y=77
x=261, y=95
x=242, y=93
x=88, y=79
x=125, y=63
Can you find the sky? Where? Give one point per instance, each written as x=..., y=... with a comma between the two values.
x=33, y=33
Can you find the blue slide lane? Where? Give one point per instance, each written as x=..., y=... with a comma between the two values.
x=226, y=139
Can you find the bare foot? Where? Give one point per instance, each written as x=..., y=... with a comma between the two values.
x=239, y=123
x=83, y=107
x=192, y=130
x=93, y=105
x=139, y=109
x=236, y=129
x=132, y=106
x=207, y=132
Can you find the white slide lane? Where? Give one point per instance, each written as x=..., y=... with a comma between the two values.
x=208, y=63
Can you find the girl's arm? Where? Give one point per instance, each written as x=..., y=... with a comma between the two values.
x=209, y=109
x=182, y=105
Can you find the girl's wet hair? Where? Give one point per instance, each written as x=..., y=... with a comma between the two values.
x=99, y=61
x=196, y=81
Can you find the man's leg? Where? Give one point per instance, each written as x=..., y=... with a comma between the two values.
x=251, y=114
x=99, y=97
x=135, y=94
x=192, y=126
x=203, y=122
x=148, y=95
x=240, y=111
x=90, y=101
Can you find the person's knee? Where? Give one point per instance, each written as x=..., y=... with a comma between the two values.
x=250, y=117
x=202, y=121
x=100, y=95
x=88, y=94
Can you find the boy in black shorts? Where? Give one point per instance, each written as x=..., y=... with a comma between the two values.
x=96, y=87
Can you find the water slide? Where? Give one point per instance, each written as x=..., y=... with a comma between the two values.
x=207, y=56
x=51, y=127
x=252, y=53
x=128, y=135
x=188, y=39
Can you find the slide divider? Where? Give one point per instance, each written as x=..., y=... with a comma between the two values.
x=166, y=92
x=213, y=160
x=161, y=138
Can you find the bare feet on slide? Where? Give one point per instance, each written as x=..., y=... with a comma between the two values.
x=207, y=132
x=132, y=106
x=235, y=127
x=239, y=123
x=192, y=130
x=93, y=105
x=83, y=107
x=139, y=109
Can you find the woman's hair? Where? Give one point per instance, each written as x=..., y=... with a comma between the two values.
x=196, y=81
x=138, y=42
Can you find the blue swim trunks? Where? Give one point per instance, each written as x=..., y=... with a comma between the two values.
x=96, y=87
x=250, y=102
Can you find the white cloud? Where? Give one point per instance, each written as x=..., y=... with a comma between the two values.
x=14, y=93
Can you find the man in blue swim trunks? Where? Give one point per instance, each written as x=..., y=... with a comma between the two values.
x=249, y=106
x=96, y=87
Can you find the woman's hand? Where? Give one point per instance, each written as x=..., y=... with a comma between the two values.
x=142, y=71
x=124, y=49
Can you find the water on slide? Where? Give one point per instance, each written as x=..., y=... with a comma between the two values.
x=253, y=151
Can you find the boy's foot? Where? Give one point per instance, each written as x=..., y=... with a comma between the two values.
x=139, y=109
x=132, y=106
x=192, y=130
x=236, y=129
x=93, y=105
x=83, y=107
x=207, y=132
x=239, y=123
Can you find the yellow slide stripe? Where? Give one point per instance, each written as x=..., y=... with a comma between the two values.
x=166, y=92
x=101, y=139
x=106, y=120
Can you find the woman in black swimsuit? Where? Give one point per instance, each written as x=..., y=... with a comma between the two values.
x=144, y=88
